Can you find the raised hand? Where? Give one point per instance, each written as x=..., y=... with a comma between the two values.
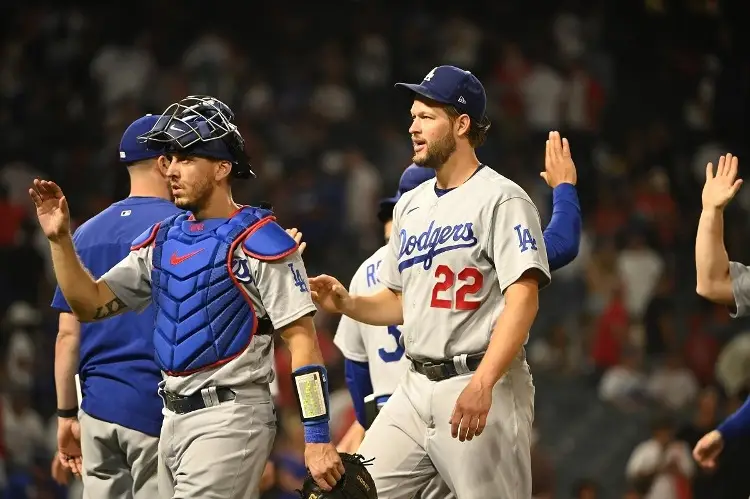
x=719, y=189
x=51, y=209
x=558, y=163
x=330, y=294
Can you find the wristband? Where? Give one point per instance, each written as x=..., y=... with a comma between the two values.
x=67, y=413
x=311, y=391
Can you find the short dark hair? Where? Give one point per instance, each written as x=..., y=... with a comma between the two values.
x=477, y=129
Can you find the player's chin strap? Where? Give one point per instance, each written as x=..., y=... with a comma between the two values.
x=311, y=390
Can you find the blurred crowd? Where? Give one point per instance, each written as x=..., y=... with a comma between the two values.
x=647, y=92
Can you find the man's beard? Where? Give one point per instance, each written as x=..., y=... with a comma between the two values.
x=197, y=202
x=437, y=153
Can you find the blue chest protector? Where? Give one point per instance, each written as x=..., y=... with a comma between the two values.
x=204, y=317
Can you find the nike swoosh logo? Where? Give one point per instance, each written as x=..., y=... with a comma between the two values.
x=176, y=260
x=411, y=210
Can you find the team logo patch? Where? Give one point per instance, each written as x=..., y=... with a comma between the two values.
x=241, y=270
x=525, y=240
x=432, y=242
x=299, y=281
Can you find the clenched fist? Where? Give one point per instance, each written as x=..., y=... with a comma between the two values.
x=324, y=464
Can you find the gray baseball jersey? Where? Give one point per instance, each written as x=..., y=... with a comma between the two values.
x=453, y=256
x=377, y=345
x=740, y=275
x=272, y=290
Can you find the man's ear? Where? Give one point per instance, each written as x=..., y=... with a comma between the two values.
x=162, y=163
x=462, y=125
x=223, y=170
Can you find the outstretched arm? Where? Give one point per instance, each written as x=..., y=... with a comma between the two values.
x=88, y=299
x=563, y=234
x=711, y=260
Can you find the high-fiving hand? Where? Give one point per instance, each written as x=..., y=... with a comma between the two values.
x=719, y=189
x=558, y=163
x=330, y=294
x=51, y=209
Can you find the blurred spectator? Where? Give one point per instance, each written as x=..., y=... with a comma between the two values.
x=585, y=489
x=542, y=470
x=658, y=320
x=624, y=384
x=672, y=384
x=640, y=269
x=701, y=350
x=662, y=466
x=733, y=366
x=705, y=419
x=611, y=334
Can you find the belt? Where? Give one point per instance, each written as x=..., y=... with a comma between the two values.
x=445, y=369
x=208, y=397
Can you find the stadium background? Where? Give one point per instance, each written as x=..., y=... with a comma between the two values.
x=646, y=91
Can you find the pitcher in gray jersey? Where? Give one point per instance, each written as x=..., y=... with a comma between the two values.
x=462, y=272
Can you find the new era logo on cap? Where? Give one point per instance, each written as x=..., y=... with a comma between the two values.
x=453, y=86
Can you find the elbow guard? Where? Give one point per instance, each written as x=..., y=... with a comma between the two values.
x=311, y=390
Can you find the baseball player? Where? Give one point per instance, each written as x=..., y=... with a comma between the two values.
x=462, y=272
x=120, y=416
x=374, y=357
x=720, y=281
x=222, y=278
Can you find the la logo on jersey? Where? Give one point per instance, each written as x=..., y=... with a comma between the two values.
x=525, y=240
x=432, y=242
x=298, y=280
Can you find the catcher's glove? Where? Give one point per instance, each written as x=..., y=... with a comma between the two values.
x=356, y=483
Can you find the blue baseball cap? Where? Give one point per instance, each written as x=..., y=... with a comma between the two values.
x=412, y=177
x=453, y=86
x=132, y=149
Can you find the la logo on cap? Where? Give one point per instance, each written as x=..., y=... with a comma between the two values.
x=430, y=74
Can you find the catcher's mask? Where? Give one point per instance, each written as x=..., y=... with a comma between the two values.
x=202, y=126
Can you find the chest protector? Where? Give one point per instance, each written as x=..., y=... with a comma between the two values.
x=204, y=317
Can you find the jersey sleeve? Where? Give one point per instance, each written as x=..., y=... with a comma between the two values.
x=130, y=280
x=516, y=242
x=740, y=276
x=389, y=274
x=348, y=336
x=284, y=289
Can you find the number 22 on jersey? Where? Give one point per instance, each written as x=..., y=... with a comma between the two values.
x=467, y=283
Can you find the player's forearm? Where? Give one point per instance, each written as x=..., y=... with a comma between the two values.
x=379, y=309
x=562, y=237
x=89, y=300
x=711, y=259
x=738, y=424
x=309, y=378
x=302, y=341
x=508, y=337
x=66, y=362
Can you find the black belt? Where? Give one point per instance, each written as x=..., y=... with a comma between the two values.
x=445, y=369
x=183, y=405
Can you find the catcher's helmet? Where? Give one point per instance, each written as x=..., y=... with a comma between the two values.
x=203, y=126
x=412, y=177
